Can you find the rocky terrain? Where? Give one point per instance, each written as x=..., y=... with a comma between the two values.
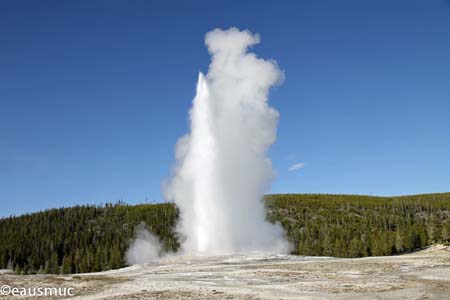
x=420, y=275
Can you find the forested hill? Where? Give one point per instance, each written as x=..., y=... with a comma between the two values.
x=92, y=238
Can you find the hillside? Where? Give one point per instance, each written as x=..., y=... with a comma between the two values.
x=90, y=238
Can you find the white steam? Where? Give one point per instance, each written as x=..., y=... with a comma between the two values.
x=222, y=169
x=146, y=247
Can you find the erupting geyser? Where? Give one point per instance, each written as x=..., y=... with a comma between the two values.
x=222, y=169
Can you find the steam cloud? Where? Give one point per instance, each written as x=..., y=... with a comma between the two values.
x=222, y=169
x=145, y=247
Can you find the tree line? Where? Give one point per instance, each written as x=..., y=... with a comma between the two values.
x=358, y=226
x=95, y=238
x=82, y=238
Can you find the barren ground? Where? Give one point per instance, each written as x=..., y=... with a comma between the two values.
x=420, y=275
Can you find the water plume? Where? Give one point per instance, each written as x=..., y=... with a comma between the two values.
x=222, y=169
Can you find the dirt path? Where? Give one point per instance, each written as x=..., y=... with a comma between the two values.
x=421, y=275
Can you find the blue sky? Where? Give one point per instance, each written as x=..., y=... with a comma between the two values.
x=94, y=95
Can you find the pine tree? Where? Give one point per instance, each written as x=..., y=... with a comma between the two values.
x=67, y=265
x=399, y=242
x=355, y=249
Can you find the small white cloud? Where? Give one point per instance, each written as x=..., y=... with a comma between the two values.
x=296, y=166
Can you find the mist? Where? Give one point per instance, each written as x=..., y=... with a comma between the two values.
x=145, y=247
x=222, y=170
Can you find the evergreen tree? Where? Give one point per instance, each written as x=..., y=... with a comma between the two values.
x=67, y=265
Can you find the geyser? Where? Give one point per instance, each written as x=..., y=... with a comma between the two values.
x=222, y=169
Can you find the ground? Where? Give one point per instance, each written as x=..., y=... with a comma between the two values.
x=420, y=275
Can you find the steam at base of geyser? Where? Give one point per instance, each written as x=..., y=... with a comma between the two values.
x=222, y=170
x=144, y=248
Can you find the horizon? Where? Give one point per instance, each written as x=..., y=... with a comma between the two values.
x=120, y=202
x=92, y=116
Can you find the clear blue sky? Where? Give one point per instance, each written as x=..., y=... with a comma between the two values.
x=94, y=95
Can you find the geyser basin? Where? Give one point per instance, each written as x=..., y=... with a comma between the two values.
x=222, y=169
